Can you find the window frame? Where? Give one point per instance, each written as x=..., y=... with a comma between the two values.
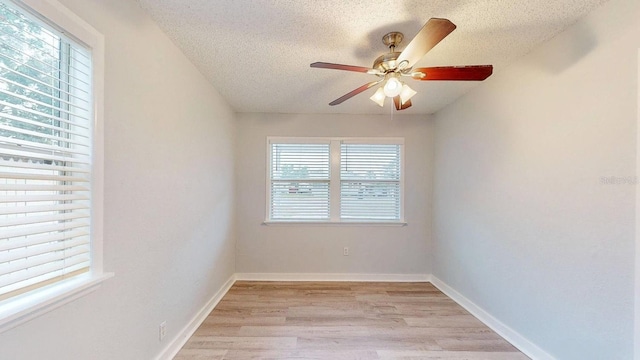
x=335, y=179
x=24, y=307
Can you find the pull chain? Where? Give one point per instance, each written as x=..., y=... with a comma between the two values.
x=391, y=109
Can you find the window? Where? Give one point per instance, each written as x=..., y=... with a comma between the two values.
x=300, y=181
x=335, y=180
x=370, y=182
x=50, y=169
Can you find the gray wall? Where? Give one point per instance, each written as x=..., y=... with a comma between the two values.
x=523, y=225
x=168, y=200
x=318, y=249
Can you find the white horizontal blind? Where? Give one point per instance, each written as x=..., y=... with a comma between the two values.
x=299, y=182
x=45, y=153
x=370, y=182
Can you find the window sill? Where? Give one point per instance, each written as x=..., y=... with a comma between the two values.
x=334, y=223
x=22, y=308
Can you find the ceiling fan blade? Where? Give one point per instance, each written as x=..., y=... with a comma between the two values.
x=353, y=93
x=324, y=65
x=429, y=36
x=459, y=73
x=398, y=103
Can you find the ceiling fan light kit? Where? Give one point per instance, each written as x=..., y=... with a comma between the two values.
x=406, y=93
x=391, y=66
x=378, y=97
x=392, y=87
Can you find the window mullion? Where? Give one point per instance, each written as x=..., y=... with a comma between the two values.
x=334, y=185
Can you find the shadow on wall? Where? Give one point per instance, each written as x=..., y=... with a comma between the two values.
x=568, y=53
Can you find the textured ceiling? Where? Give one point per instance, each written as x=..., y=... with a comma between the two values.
x=256, y=53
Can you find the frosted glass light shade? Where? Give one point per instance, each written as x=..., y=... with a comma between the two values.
x=378, y=97
x=406, y=93
x=393, y=87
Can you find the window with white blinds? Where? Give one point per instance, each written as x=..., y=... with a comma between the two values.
x=370, y=182
x=335, y=180
x=299, y=181
x=46, y=114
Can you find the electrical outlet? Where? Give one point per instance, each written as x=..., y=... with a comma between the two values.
x=345, y=251
x=163, y=330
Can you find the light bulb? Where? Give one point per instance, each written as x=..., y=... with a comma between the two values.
x=378, y=97
x=406, y=93
x=393, y=87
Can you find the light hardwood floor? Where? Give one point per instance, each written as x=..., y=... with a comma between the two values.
x=342, y=320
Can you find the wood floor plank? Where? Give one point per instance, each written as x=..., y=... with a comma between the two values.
x=445, y=321
x=342, y=320
x=365, y=343
x=301, y=354
x=244, y=320
x=449, y=355
x=241, y=342
x=475, y=345
x=200, y=354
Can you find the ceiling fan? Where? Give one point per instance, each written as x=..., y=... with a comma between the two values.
x=390, y=67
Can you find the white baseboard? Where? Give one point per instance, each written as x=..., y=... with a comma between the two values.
x=183, y=336
x=523, y=344
x=332, y=277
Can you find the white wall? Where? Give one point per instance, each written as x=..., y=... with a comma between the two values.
x=168, y=200
x=637, y=262
x=318, y=249
x=523, y=226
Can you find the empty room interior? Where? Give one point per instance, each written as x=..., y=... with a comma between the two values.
x=265, y=179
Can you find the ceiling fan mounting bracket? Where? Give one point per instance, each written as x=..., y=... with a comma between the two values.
x=392, y=39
